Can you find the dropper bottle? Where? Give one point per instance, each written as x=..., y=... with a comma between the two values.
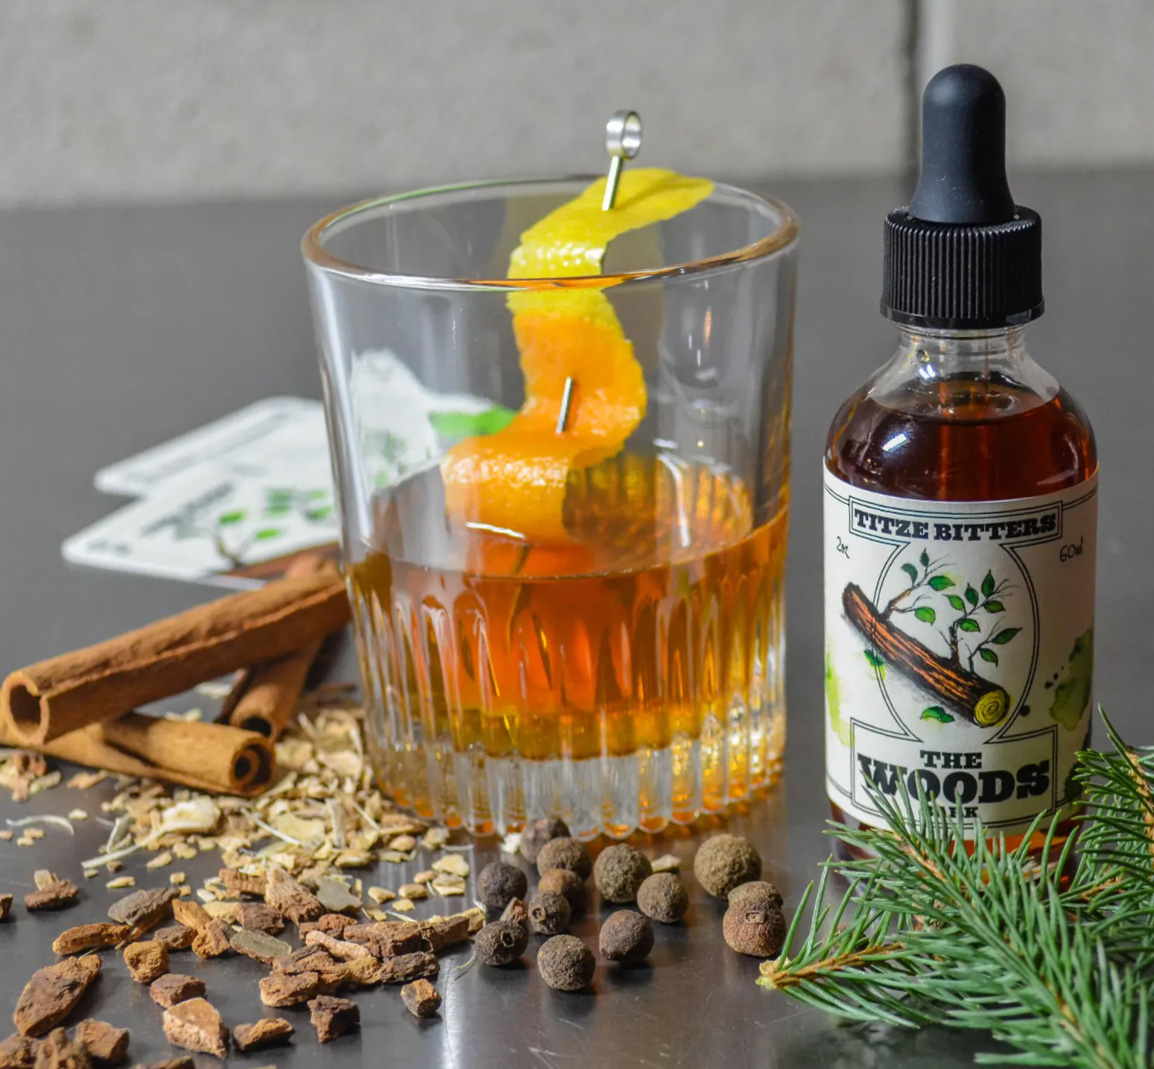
x=960, y=510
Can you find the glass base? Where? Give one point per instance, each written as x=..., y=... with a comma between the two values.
x=614, y=796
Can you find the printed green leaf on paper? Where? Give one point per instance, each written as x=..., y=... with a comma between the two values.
x=874, y=660
x=988, y=584
x=936, y=712
x=911, y=571
x=969, y=624
x=994, y=606
x=971, y=595
x=925, y=559
x=988, y=654
x=231, y=517
x=457, y=425
x=956, y=602
x=941, y=582
x=1005, y=635
x=925, y=614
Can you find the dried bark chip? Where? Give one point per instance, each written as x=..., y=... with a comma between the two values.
x=242, y=883
x=195, y=1025
x=5, y=907
x=52, y=993
x=264, y=948
x=340, y=949
x=180, y=1062
x=336, y=897
x=421, y=998
x=175, y=936
x=174, y=987
x=406, y=967
x=360, y=972
x=306, y=959
x=446, y=932
x=18, y=1052
x=332, y=1017
x=518, y=913
x=258, y=917
x=210, y=940
x=144, y=909
x=146, y=961
x=51, y=892
x=387, y=939
x=107, y=1045
x=267, y=1032
x=58, y=1051
x=285, y=989
x=90, y=937
x=289, y=898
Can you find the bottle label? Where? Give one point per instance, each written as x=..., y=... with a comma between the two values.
x=959, y=648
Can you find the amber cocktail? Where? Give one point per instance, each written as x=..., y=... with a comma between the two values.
x=573, y=606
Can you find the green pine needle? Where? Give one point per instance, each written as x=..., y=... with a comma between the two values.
x=1058, y=967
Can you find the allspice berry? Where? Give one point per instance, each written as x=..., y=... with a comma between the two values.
x=724, y=862
x=565, y=853
x=662, y=896
x=549, y=913
x=619, y=871
x=565, y=963
x=756, y=893
x=538, y=833
x=754, y=930
x=626, y=937
x=501, y=942
x=499, y=883
x=566, y=883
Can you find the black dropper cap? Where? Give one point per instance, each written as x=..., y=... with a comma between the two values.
x=963, y=256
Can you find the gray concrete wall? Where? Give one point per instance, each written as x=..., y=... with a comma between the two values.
x=194, y=99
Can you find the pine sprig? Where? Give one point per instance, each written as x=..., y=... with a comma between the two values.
x=997, y=939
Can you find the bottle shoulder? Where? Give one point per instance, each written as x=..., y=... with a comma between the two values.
x=966, y=436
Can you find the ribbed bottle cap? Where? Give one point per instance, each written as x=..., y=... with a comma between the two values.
x=963, y=256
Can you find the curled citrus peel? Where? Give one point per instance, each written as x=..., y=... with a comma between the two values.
x=514, y=480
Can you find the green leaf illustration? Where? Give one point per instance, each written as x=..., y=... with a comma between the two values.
x=941, y=582
x=994, y=606
x=956, y=602
x=1005, y=635
x=936, y=712
x=231, y=517
x=314, y=495
x=925, y=559
x=988, y=655
x=969, y=624
x=265, y=533
x=874, y=660
x=971, y=595
x=278, y=510
x=316, y=515
x=925, y=614
x=988, y=585
x=911, y=571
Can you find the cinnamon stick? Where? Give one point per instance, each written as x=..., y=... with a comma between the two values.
x=51, y=698
x=89, y=747
x=264, y=697
x=215, y=753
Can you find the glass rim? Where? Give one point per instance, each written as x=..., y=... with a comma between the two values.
x=312, y=245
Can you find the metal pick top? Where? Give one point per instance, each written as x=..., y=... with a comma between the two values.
x=622, y=142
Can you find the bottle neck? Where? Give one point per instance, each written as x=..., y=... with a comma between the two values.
x=945, y=353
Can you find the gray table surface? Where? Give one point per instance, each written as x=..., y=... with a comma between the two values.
x=122, y=326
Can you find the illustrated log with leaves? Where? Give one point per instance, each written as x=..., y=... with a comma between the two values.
x=957, y=685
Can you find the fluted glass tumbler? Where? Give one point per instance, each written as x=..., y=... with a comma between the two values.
x=597, y=637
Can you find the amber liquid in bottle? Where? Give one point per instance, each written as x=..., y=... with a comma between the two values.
x=961, y=417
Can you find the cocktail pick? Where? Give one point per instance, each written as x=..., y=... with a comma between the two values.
x=622, y=142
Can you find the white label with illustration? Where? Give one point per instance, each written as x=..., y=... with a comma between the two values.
x=959, y=648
